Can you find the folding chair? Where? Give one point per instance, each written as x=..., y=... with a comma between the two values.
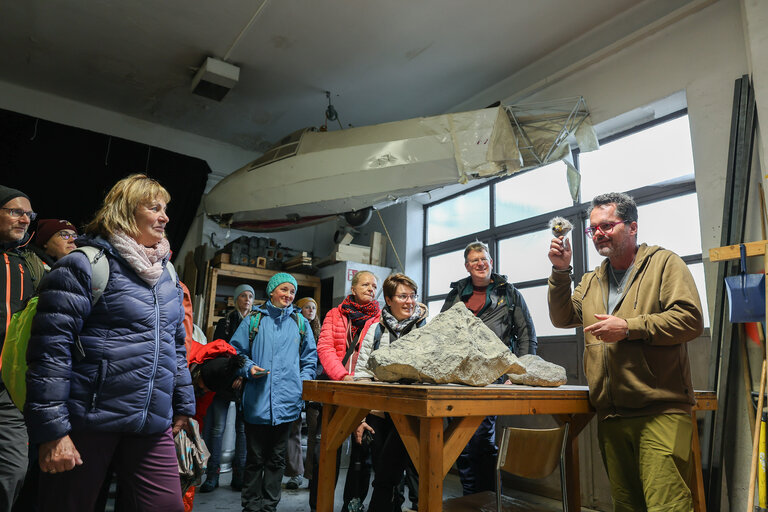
x=527, y=453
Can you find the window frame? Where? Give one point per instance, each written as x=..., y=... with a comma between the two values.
x=576, y=213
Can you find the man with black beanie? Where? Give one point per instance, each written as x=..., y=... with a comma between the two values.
x=19, y=277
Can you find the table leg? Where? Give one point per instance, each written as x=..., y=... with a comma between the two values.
x=338, y=424
x=326, y=467
x=431, y=464
x=697, y=483
x=577, y=422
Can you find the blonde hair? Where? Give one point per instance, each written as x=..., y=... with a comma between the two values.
x=358, y=275
x=118, y=213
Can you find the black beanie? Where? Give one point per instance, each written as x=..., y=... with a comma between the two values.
x=8, y=193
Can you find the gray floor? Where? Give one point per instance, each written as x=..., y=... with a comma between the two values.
x=224, y=498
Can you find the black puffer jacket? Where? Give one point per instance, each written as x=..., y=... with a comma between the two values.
x=505, y=312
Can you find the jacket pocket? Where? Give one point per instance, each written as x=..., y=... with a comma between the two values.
x=597, y=376
x=101, y=376
x=632, y=382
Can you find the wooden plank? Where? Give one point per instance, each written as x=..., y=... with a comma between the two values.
x=733, y=252
x=697, y=489
x=326, y=476
x=457, y=435
x=351, y=252
x=212, y=277
x=222, y=257
x=190, y=273
x=260, y=274
x=343, y=422
x=378, y=249
x=408, y=428
x=431, y=465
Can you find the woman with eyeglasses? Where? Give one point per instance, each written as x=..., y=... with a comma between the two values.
x=54, y=239
x=401, y=315
x=108, y=384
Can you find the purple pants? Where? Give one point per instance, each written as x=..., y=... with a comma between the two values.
x=145, y=465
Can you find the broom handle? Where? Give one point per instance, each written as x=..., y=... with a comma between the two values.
x=755, y=444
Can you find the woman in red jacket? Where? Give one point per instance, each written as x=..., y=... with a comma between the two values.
x=345, y=326
x=341, y=336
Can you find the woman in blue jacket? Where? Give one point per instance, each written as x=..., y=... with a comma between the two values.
x=108, y=379
x=280, y=354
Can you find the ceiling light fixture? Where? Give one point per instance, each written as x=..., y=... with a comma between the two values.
x=215, y=78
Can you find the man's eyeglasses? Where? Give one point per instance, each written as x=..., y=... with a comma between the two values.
x=404, y=297
x=478, y=261
x=15, y=213
x=67, y=236
x=605, y=228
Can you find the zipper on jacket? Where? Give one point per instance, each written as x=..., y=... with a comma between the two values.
x=145, y=411
x=21, y=270
x=7, y=292
x=101, y=376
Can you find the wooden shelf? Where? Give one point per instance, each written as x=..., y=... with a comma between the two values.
x=232, y=275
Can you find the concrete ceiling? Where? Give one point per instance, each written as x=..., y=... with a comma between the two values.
x=383, y=60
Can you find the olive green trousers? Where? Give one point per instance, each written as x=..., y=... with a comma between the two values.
x=648, y=461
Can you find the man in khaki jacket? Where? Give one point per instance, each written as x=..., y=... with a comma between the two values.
x=638, y=309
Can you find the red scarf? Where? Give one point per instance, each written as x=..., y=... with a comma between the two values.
x=358, y=314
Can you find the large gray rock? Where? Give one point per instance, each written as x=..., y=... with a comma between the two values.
x=454, y=348
x=539, y=372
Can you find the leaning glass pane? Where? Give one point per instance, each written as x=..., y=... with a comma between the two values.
x=459, y=216
x=659, y=154
x=532, y=193
x=524, y=257
x=445, y=269
x=536, y=300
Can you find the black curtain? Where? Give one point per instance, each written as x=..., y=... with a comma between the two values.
x=67, y=171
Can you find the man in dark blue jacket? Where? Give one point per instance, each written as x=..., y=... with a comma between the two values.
x=18, y=279
x=502, y=309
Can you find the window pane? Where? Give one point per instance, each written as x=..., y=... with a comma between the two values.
x=520, y=197
x=536, y=300
x=434, y=307
x=658, y=154
x=523, y=258
x=445, y=269
x=653, y=227
x=697, y=269
x=459, y=216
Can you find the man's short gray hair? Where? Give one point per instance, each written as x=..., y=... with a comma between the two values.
x=626, y=208
x=477, y=245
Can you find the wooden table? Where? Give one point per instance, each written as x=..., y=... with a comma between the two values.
x=418, y=412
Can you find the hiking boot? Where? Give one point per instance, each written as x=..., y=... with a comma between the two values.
x=294, y=482
x=211, y=483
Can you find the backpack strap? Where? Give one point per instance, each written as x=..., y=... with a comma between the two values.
x=99, y=270
x=377, y=336
x=172, y=271
x=301, y=322
x=254, y=328
x=256, y=320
